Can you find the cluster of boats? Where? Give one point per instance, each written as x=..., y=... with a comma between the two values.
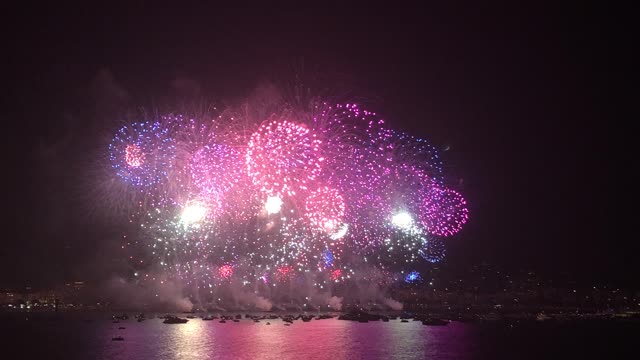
x=139, y=317
x=223, y=318
x=170, y=319
x=288, y=320
x=364, y=317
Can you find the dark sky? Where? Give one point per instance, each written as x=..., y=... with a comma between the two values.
x=519, y=95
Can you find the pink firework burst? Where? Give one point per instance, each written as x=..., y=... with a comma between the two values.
x=215, y=170
x=444, y=211
x=143, y=153
x=133, y=155
x=325, y=209
x=284, y=272
x=225, y=271
x=336, y=274
x=283, y=157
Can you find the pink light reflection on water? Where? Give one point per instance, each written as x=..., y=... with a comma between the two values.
x=319, y=339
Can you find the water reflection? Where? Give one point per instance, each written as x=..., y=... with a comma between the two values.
x=319, y=339
x=404, y=340
x=189, y=340
x=65, y=337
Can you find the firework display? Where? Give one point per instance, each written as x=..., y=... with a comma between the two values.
x=142, y=153
x=412, y=277
x=325, y=209
x=433, y=250
x=225, y=271
x=444, y=211
x=283, y=157
x=318, y=193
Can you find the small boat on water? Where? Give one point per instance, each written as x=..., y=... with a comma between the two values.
x=268, y=323
x=236, y=320
x=434, y=322
x=207, y=318
x=120, y=317
x=542, y=317
x=117, y=338
x=404, y=320
x=174, y=320
x=121, y=328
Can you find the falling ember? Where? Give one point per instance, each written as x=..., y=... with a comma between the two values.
x=133, y=155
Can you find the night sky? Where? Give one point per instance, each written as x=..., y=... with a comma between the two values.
x=518, y=95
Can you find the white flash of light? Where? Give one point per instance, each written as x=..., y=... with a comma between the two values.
x=193, y=213
x=273, y=205
x=342, y=231
x=402, y=220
